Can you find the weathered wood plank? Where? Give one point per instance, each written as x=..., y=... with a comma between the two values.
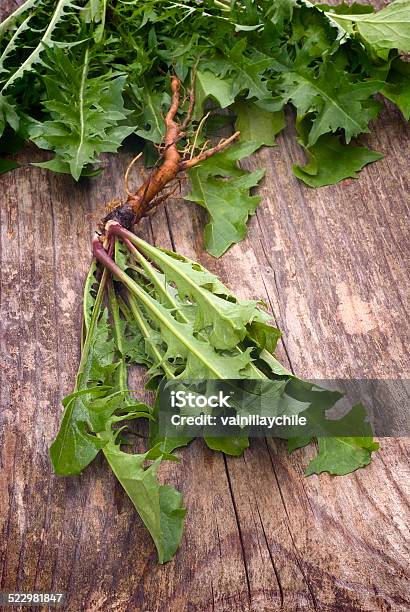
x=333, y=265
x=284, y=236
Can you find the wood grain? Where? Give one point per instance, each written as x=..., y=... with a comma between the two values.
x=333, y=265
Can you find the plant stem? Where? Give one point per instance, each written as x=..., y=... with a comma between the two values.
x=91, y=327
x=130, y=240
x=152, y=306
x=151, y=272
x=135, y=309
x=118, y=336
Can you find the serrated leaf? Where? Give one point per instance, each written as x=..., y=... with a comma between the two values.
x=155, y=349
x=386, y=29
x=209, y=85
x=337, y=101
x=337, y=455
x=189, y=350
x=87, y=114
x=9, y=22
x=45, y=42
x=223, y=189
x=265, y=336
x=201, y=359
x=8, y=114
x=340, y=456
x=227, y=319
x=330, y=161
x=177, y=344
x=257, y=124
x=397, y=87
x=75, y=446
x=159, y=506
x=93, y=410
x=248, y=71
x=13, y=44
x=321, y=35
x=151, y=119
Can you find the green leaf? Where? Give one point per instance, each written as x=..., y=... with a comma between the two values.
x=265, y=336
x=166, y=444
x=224, y=320
x=46, y=41
x=8, y=114
x=86, y=113
x=9, y=22
x=6, y=165
x=269, y=54
x=343, y=8
x=75, y=446
x=201, y=360
x=337, y=101
x=341, y=456
x=315, y=32
x=13, y=45
x=223, y=189
x=61, y=167
x=300, y=442
x=151, y=119
x=384, y=30
x=337, y=455
x=247, y=69
x=91, y=412
x=230, y=445
x=208, y=85
x=256, y=124
x=155, y=353
x=397, y=87
x=159, y=506
x=329, y=161
x=98, y=14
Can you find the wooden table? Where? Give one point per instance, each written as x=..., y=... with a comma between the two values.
x=333, y=266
